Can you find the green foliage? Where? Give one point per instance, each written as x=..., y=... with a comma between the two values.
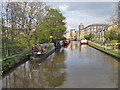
x=107, y=35
x=119, y=38
x=5, y=62
x=41, y=41
x=109, y=51
x=97, y=42
x=87, y=37
x=118, y=46
x=114, y=41
x=29, y=26
x=91, y=36
x=112, y=35
x=62, y=38
x=53, y=23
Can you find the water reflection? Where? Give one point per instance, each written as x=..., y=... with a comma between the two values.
x=73, y=45
x=94, y=54
x=38, y=74
x=88, y=60
x=77, y=66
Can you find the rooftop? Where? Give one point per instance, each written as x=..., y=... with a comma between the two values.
x=99, y=24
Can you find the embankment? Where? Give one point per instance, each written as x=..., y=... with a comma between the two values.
x=109, y=52
x=13, y=62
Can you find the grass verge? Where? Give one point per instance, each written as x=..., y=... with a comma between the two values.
x=109, y=50
x=5, y=62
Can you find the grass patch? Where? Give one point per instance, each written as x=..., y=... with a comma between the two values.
x=96, y=46
x=97, y=42
x=110, y=45
x=5, y=62
x=6, y=56
x=109, y=50
x=113, y=52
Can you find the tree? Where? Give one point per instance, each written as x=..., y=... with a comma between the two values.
x=119, y=38
x=25, y=23
x=91, y=36
x=112, y=35
x=53, y=23
x=20, y=24
x=114, y=18
x=86, y=37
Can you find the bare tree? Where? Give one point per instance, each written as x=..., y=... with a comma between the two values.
x=114, y=18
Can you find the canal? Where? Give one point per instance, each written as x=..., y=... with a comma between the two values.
x=75, y=66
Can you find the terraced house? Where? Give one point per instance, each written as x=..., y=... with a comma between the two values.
x=83, y=31
x=99, y=34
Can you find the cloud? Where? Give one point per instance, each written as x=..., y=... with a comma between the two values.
x=85, y=12
x=63, y=7
x=92, y=8
x=88, y=8
x=73, y=23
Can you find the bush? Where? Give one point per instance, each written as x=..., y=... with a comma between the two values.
x=62, y=38
x=41, y=41
x=119, y=38
x=112, y=35
x=114, y=41
x=97, y=42
x=91, y=36
x=118, y=46
x=86, y=37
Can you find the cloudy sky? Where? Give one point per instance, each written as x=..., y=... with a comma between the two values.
x=84, y=12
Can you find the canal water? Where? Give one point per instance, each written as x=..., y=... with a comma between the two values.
x=75, y=66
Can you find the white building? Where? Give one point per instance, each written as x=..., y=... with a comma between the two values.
x=72, y=34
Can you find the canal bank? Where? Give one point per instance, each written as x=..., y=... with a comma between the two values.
x=9, y=63
x=13, y=61
x=107, y=51
x=44, y=55
x=75, y=66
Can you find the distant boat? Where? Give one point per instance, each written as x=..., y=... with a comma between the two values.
x=83, y=41
x=38, y=52
x=66, y=42
x=57, y=45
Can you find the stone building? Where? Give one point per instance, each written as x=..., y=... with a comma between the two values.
x=83, y=31
x=99, y=34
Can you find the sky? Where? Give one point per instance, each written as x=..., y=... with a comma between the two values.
x=85, y=13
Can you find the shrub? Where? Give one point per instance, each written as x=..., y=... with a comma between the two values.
x=114, y=41
x=91, y=36
x=118, y=46
x=86, y=37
